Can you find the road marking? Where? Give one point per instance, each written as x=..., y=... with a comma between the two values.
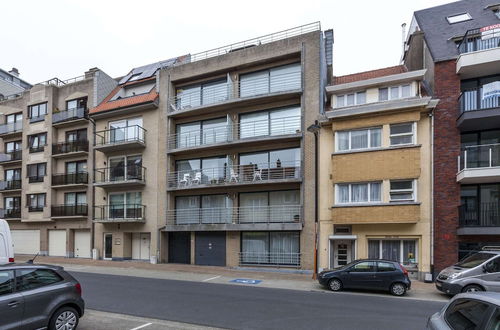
x=246, y=281
x=211, y=278
x=142, y=326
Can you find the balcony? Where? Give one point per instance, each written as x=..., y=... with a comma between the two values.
x=69, y=211
x=120, y=176
x=10, y=185
x=70, y=179
x=119, y=213
x=479, y=164
x=482, y=219
x=276, y=217
x=69, y=117
x=122, y=138
x=236, y=175
x=477, y=112
x=10, y=214
x=479, y=53
x=269, y=259
x=11, y=157
x=11, y=129
x=262, y=131
x=69, y=149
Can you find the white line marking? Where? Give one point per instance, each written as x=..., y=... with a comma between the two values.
x=211, y=278
x=142, y=326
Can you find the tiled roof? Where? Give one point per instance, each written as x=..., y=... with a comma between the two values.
x=369, y=74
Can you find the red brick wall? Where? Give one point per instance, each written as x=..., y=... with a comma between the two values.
x=446, y=151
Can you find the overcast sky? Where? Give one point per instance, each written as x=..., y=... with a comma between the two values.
x=64, y=38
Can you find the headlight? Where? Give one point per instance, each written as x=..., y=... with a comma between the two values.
x=453, y=276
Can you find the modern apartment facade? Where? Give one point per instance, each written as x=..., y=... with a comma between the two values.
x=458, y=45
x=11, y=85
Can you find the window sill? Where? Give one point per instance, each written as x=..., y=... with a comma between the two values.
x=376, y=149
x=35, y=209
x=374, y=204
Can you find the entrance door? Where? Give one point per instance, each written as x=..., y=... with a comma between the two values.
x=179, y=247
x=140, y=246
x=210, y=248
x=82, y=244
x=57, y=243
x=342, y=252
x=108, y=246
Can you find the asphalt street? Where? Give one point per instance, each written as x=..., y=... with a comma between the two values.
x=250, y=307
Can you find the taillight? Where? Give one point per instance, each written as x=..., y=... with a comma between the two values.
x=11, y=259
x=78, y=288
x=405, y=272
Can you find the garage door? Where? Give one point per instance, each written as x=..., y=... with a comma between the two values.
x=57, y=243
x=140, y=246
x=210, y=248
x=82, y=244
x=26, y=241
x=179, y=247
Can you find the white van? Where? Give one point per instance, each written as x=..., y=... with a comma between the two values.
x=6, y=245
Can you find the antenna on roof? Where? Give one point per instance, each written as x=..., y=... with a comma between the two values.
x=403, y=37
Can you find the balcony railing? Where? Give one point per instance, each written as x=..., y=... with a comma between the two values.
x=242, y=89
x=11, y=128
x=35, y=208
x=70, y=178
x=476, y=40
x=236, y=174
x=36, y=149
x=11, y=156
x=119, y=213
x=121, y=135
x=120, y=174
x=10, y=184
x=290, y=259
x=13, y=213
x=244, y=130
x=72, y=146
x=482, y=215
x=480, y=156
x=236, y=215
x=471, y=99
x=69, y=114
x=36, y=178
x=69, y=210
x=37, y=119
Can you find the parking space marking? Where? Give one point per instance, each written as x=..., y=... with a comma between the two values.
x=211, y=278
x=142, y=326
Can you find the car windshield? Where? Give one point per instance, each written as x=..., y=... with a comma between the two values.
x=475, y=260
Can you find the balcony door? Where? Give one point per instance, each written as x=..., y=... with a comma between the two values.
x=76, y=167
x=125, y=205
x=78, y=135
x=13, y=175
x=12, y=205
x=12, y=146
x=75, y=198
x=126, y=130
x=125, y=168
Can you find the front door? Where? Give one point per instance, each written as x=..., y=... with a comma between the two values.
x=342, y=253
x=179, y=247
x=108, y=246
x=210, y=248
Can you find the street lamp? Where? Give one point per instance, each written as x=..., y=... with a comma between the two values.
x=315, y=128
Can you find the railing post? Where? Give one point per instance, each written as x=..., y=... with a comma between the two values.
x=465, y=159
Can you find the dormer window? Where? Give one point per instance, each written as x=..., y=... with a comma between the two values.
x=134, y=77
x=351, y=99
x=458, y=18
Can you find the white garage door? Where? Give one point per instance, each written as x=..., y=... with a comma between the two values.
x=57, y=243
x=82, y=244
x=26, y=241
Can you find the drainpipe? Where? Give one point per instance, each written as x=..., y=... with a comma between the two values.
x=432, y=192
x=91, y=179
x=315, y=128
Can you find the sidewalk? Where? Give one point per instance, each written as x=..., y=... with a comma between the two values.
x=211, y=274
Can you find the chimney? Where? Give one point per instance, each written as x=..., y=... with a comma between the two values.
x=14, y=72
x=90, y=72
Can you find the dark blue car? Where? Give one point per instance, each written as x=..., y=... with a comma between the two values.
x=368, y=274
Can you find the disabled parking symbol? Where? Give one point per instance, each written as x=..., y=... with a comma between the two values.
x=245, y=281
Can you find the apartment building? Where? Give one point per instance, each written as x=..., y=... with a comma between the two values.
x=459, y=46
x=375, y=170
x=11, y=85
x=240, y=164
x=44, y=165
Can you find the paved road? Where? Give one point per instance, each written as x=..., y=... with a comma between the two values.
x=250, y=307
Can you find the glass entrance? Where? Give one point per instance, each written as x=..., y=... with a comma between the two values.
x=108, y=246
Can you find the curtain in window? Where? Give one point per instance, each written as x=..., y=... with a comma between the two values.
x=187, y=210
x=391, y=250
x=254, y=83
x=254, y=124
x=409, y=252
x=188, y=135
x=285, y=121
x=359, y=139
x=375, y=191
x=214, y=92
x=375, y=137
x=343, y=140
x=254, y=207
x=359, y=193
x=285, y=78
x=214, y=209
x=254, y=248
x=373, y=249
x=343, y=191
x=284, y=206
x=214, y=131
x=188, y=97
x=284, y=248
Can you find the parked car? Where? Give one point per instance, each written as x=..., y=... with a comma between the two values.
x=6, y=245
x=39, y=296
x=478, y=272
x=479, y=310
x=368, y=274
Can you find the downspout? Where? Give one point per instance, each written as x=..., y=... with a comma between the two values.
x=91, y=179
x=431, y=114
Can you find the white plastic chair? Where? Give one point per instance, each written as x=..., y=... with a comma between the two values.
x=185, y=180
x=197, y=178
x=234, y=176
x=257, y=175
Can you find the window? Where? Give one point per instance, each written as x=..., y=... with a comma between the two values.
x=402, y=190
x=271, y=248
x=14, y=118
x=352, y=193
x=385, y=267
x=394, y=92
x=273, y=122
x=401, y=134
x=30, y=279
x=76, y=135
x=279, y=79
x=37, y=142
x=12, y=147
x=202, y=94
x=125, y=205
x=351, y=99
x=6, y=282
x=402, y=251
x=36, y=172
x=12, y=175
x=274, y=206
x=466, y=314
x=36, y=202
x=359, y=139
x=202, y=132
x=364, y=267
x=202, y=171
x=76, y=167
x=12, y=206
x=75, y=198
x=125, y=168
x=458, y=18
x=37, y=112
x=126, y=130
x=207, y=209
x=80, y=103
x=134, y=77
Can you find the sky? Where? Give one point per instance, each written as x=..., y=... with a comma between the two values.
x=64, y=38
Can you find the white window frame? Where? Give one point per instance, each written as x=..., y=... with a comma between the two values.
x=400, y=92
x=344, y=99
x=350, y=202
x=401, y=249
x=369, y=129
x=453, y=19
x=413, y=191
x=413, y=134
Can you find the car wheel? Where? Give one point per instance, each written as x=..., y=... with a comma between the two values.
x=398, y=289
x=335, y=284
x=65, y=318
x=472, y=288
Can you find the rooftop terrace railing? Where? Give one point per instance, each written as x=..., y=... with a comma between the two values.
x=479, y=39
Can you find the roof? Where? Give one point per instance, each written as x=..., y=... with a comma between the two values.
x=438, y=33
x=147, y=71
x=369, y=74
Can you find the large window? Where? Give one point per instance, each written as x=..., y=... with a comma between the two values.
x=394, y=92
x=14, y=118
x=359, y=139
x=126, y=130
x=76, y=167
x=202, y=94
x=13, y=146
x=36, y=172
x=402, y=251
x=480, y=205
x=76, y=135
x=206, y=209
x=483, y=149
x=202, y=132
x=274, y=206
x=352, y=193
x=274, y=122
x=480, y=93
x=37, y=112
x=402, y=190
x=274, y=248
x=125, y=168
x=125, y=205
x=80, y=103
x=402, y=134
x=269, y=165
x=279, y=79
x=37, y=142
x=12, y=203
x=36, y=202
x=202, y=171
x=12, y=174
x=351, y=99
x=75, y=198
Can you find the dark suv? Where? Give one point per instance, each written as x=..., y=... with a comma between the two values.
x=39, y=296
x=368, y=274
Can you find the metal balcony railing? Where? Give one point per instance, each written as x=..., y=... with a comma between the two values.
x=471, y=100
x=291, y=259
x=479, y=215
x=119, y=213
x=236, y=215
x=72, y=146
x=37, y=119
x=69, y=114
x=11, y=128
x=70, y=178
x=476, y=40
x=36, y=178
x=58, y=82
x=126, y=134
x=11, y=156
x=480, y=156
x=120, y=174
x=37, y=208
x=11, y=213
x=235, y=174
x=259, y=86
x=36, y=149
x=243, y=130
x=10, y=184
x=69, y=210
